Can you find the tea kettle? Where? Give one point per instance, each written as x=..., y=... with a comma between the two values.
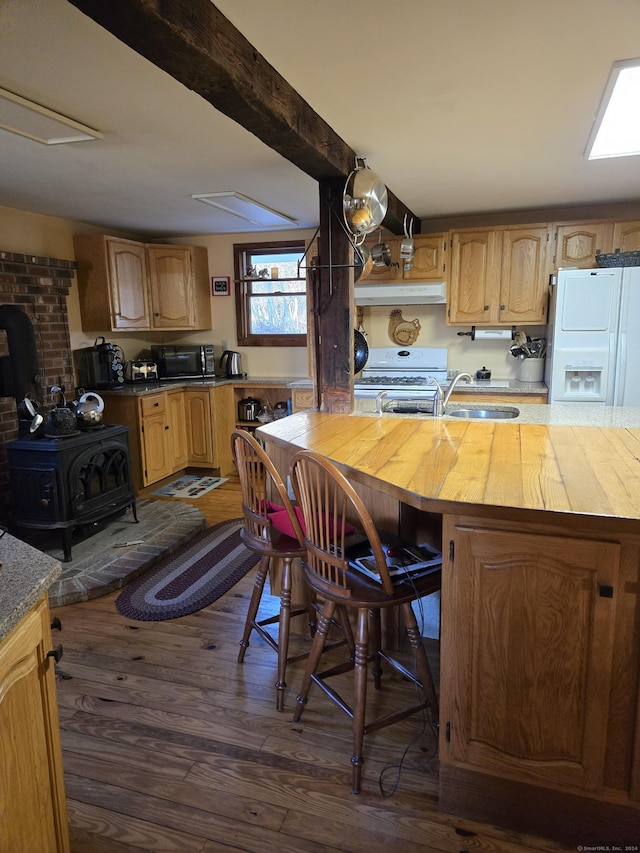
x=231, y=363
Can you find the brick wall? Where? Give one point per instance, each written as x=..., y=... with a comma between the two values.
x=39, y=286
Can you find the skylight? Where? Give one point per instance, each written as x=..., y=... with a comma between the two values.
x=616, y=130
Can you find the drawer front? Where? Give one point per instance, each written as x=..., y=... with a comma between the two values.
x=154, y=404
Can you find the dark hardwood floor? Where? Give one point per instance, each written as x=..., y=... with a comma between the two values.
x=170, y=745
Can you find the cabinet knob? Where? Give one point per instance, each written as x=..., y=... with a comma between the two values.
x=166, y=426
x=56, y=654
x=44, y=502
x=486, y=307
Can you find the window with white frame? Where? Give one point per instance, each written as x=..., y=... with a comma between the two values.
x=271, y=293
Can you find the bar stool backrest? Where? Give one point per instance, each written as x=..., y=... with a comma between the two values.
x=330, y=506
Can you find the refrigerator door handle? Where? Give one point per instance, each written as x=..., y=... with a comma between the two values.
x=621, y=360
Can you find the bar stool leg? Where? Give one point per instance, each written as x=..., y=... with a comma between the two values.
x=359, y=696
x=423, y=668
x=256, y=595
x=315, y=654
x=283, y=631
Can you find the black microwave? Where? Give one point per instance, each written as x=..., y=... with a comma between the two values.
x=185, y=361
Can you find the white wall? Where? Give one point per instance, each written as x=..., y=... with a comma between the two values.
x=463, y=353
x=33, y=234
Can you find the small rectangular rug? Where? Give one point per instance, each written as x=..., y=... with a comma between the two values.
x=190, y=486
x=192, y=577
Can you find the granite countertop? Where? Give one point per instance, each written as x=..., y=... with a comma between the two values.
x=137, y=389
x=499, y=386
x=25, y=576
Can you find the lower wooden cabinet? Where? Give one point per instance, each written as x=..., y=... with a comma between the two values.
x=175, y=429
x=199, y=427
x=177, y=421
x=302, y=398
x=540, y=605
x=33, y=807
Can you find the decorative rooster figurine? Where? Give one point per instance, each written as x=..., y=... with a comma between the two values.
x=403, y=332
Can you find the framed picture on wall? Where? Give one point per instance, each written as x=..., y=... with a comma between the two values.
x=221, y=285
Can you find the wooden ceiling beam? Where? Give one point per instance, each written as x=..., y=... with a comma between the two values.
x=193, y=42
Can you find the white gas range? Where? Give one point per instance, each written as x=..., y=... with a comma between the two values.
x=402, y=373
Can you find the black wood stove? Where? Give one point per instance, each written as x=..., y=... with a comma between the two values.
x=69, y=481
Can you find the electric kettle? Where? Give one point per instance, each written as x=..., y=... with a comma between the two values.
x=231, y=363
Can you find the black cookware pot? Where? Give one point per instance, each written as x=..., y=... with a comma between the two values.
x=360, y=351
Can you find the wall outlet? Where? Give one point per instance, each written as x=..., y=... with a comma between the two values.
x=225, y=345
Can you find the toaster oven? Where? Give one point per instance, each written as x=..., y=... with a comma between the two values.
x=141, y=371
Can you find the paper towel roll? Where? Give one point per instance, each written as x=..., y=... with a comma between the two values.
x=492, y=335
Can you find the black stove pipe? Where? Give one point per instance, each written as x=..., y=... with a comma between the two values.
x=23, y=373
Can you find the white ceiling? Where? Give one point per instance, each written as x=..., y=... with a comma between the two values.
x=460, y=106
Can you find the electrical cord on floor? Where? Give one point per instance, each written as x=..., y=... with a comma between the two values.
x=426, y=720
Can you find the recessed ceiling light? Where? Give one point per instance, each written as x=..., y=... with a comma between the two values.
x=616, y=130
x=245, y=208
x=33, y=121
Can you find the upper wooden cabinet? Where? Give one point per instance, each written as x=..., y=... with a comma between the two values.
x=428, y=259
x=124, y=285
x=626, y=236
x=499, y=276
x=125, y=282
x=578, y=243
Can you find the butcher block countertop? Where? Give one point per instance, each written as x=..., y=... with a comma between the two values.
x=450, y=465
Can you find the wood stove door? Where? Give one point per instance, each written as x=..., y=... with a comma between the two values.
x=35, y=495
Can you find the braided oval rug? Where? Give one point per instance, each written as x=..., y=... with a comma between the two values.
x=192, y=577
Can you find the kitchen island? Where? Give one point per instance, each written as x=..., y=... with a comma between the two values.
x=540, y=637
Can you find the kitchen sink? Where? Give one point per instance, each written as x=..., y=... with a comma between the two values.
x=499, y=413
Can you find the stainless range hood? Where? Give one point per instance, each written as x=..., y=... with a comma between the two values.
x=416, y=293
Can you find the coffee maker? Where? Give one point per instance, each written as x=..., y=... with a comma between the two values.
x=100, y=366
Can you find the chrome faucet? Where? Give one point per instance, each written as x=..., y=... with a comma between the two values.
x=442, y=398
x=379, y=398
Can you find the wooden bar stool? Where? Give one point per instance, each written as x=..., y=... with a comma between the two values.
x=329, y=503
x=264, y=522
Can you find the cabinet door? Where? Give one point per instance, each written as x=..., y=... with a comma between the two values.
x=474, y=281
x=33, y=806
x=578, y=244
x=177, y=434
x=527, y=640
x=156, y=448
x=199, y=427
x=524, y=279
x=128, y=285
x=171, y=287
x=428, y=258
x=626, y=236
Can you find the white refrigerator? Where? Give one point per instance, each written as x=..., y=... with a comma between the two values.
x=593, y=353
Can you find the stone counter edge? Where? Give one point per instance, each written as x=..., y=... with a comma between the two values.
x=25, y=576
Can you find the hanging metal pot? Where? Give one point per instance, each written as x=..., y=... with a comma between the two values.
x=381, y=254
x=364, y=201
x=363, y=263
x=360, y=351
